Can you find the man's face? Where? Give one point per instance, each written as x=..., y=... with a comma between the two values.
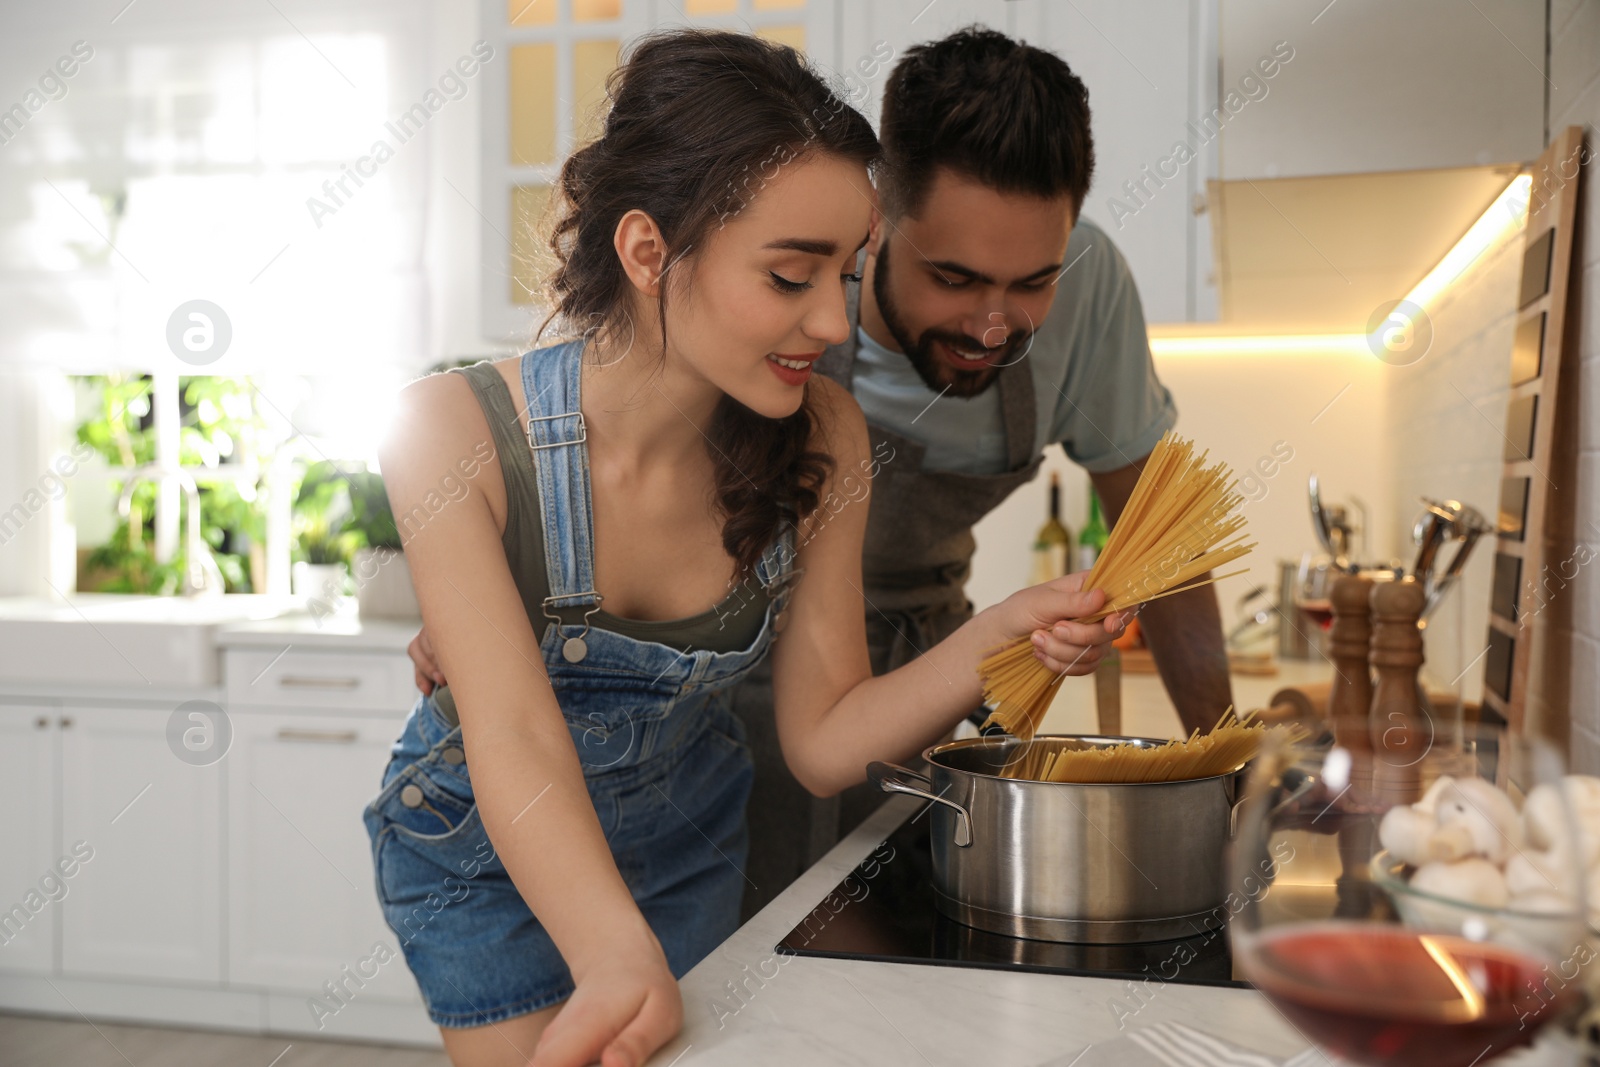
x=972, y=277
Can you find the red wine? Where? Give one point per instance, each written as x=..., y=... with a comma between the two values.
x=1382, y=995
x=1318, y=611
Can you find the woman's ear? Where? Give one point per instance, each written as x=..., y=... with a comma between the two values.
x=875, y=231
x=642, y=250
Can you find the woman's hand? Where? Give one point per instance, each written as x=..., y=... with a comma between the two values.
x=626, y=1006
x=1047, y=610
x=424, y=663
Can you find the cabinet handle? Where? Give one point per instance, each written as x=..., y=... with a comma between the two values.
x=300, y=681
x=42, y=722
x=66, y=722
x=331, y=737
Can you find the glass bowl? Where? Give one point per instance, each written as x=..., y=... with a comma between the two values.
x=1546, y=933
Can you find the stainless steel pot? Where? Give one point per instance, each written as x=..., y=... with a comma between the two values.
x=1061, y=861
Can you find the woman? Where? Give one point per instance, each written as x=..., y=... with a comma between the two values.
x=641, y=503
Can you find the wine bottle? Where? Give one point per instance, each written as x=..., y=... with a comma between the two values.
x=1092, y=541
x=1052, y=548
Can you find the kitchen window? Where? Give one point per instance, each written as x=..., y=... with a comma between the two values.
x=547, y=97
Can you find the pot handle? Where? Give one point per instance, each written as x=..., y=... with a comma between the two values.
x=893, y=778
x=1297, y=781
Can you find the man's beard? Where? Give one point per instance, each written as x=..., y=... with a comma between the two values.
x=931, y=367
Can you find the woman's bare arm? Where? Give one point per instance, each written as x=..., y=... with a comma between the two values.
x=833, y=717
x=526, y=775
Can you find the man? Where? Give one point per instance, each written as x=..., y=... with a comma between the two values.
x=992, y=323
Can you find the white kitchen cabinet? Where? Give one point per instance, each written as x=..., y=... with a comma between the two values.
x=30, y=883
x=301, y=903
x=312, y=678
x=149, y=905
x=1376, y=86
x=1138, y=62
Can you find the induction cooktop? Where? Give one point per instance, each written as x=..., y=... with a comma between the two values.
x=884, y=910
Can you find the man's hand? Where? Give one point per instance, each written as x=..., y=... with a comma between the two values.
x=1184, y=631
x=424, y=664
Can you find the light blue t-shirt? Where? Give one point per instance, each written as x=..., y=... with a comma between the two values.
x=1094, y=382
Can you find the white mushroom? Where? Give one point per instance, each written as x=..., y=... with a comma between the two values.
x=1545, y=816
x=1430, y=800
x=1488, y=815
x=1473, y=880
x=1405, y=832
x=1532, y=871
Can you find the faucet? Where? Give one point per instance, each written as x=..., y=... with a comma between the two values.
x=201, y=576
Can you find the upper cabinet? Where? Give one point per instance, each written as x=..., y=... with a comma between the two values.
x=1364, y=85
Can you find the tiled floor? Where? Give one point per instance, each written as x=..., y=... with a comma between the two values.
x=35, y=1041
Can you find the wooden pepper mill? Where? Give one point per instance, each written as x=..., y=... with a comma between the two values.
x=1396, y=651
x=1349, y=638
x=1349, y=703
x=1399, y=721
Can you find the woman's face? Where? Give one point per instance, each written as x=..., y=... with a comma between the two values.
x=766, y=294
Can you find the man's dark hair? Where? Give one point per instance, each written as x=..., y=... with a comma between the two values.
x=1007, y=114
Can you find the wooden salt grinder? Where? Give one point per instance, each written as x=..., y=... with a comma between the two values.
x=1350, y=695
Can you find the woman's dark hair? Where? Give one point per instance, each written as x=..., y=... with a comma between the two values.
x=699, y=121
x=1008, y=114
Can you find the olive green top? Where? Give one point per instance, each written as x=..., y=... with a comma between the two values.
x=730, y=626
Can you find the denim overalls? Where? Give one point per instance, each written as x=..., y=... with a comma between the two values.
x=664, y=759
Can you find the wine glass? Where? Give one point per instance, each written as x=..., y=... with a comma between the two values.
x=1313, y=589
x=1385, y=962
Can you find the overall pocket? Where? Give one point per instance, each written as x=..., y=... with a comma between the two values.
x=428, y=840
x=431, y=797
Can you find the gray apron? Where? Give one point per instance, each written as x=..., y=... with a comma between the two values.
x=915, y=563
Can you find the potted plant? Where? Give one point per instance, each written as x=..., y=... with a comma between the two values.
x=321, y=537
x=383, y=580
x=320, y=575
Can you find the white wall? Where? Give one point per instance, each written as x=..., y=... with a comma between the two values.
x=1239, y=407
x=1446, y=416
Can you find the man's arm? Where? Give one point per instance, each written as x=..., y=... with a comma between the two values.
x=1184, y=630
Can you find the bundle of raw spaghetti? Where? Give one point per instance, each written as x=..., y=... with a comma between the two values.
x=1180, y=522
x=1231, y=743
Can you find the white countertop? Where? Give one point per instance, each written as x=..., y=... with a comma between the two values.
x=746, y=1004
x=805, y=1010
x=342, y=631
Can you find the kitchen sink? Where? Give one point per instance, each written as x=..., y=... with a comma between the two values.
x=129, y=642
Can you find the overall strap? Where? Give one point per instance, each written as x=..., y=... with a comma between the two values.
x=551, y=379
x=1018, y=413
x=775, y=568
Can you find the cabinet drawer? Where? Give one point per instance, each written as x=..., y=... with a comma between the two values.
x=374, y=681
